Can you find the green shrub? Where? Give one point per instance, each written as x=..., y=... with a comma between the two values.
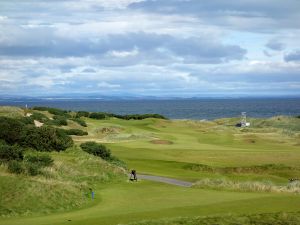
x=96, y=149
x=40, y=108
x=98, y=115
x=79, y=121
x=32, y=169
x=27, y=120
x=39, y=159
x=58, y=112
x=77, y=132
x=58, y=121
x=103, y=115
x=15, y=167
x=45, y=138
x=62, y=141
x=139, y=116
x=35, y=116
x=10, y=130
x=39, y=116
x=53, y=111
x=82, y=114
x=116, y=161
x=34, y=161
x=9, y=153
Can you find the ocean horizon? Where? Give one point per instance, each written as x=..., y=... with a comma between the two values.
x=207, y=109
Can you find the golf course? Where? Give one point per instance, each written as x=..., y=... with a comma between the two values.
x=238, y=175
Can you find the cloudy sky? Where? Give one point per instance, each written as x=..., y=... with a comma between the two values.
x=181, y=48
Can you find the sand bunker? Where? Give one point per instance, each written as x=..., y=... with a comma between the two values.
x=161, y=142
x=109, y=130
x=37, y=123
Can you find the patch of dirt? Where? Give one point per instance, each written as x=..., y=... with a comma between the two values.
x=162, y=123
x=37, y=123
x=250, y=141
x=109, y=130
x=161, y=142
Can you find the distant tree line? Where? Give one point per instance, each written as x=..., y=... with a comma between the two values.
x=54, y=111
x=104, y=115
x=94, y=115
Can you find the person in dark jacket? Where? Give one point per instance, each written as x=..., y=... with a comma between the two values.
x=133, y=175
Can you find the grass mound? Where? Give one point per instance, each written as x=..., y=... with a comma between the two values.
x=279, y=218
x=44, y=195
x=247, y=186
x=61, y=187
x=282, y=122
x=10, y=111
x=258, y=169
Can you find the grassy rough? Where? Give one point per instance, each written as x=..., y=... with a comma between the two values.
x=60, y=187
x=11, y=111
x=248, y=186
x=280, y=218
x=246, y=169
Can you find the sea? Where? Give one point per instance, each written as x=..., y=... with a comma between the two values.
x=199, y=109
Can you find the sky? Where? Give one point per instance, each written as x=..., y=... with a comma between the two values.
x=162, y=48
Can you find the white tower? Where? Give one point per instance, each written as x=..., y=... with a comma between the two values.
x=244, y=120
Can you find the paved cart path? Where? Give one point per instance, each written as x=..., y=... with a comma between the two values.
x=165, y=180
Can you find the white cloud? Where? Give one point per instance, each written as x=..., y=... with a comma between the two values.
x=3, y=18
x=122, y=54
x=108, y=85
x=165, y=48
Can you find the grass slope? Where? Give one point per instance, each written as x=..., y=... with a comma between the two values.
x=59, y=188
x=127, y=202
x=178, y=149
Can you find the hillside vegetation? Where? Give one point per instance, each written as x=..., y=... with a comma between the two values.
x=250, y=173
x=56, y=181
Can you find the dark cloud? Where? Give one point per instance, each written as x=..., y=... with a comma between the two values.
x=292, y=56
x=266, y=53
x=89, y=70
x=247, y=8
x=224, y=11
x=150, y=48
x=275, y=45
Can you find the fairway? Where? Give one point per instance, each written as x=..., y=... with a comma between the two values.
x=188, y=151
x=207, y=143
